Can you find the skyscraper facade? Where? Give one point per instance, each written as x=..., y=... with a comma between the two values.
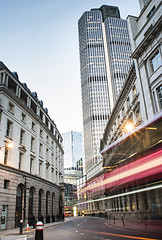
x=119, y=51
x=104, y=63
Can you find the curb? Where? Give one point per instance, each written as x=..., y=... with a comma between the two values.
x=15, y=236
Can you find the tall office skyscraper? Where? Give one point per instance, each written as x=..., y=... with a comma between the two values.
x=73, y=149
x=104, y=63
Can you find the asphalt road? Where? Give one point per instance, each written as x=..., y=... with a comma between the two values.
x=89, y=228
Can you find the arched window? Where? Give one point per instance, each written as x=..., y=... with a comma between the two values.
x=47, y=203
x=60, y=205
x=31, y=194
x=53, y=203
x=18, y=210
x=40, y=202
x=47, y=207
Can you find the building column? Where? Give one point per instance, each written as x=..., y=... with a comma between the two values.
x=1, y=75
x=4, y=78
x=38, y=111
x=18, y=91
x=7, y=77
x=29, y=102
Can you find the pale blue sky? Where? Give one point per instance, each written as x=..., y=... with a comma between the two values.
x=39, y=40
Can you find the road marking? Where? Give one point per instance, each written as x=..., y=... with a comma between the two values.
x=118, y=235
x=81, y=223
x=105, y=238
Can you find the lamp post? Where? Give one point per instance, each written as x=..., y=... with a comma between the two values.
x=24, y=210
x=24, y=215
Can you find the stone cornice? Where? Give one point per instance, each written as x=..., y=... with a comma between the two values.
x=3, y=69
x=23, y=173
x=152, y=31
x=123, y=95
x=30, y=112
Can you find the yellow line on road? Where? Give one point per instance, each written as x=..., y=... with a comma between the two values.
x=118, y=235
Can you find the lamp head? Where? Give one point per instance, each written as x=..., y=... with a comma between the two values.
x=9, y=145
x=129, y=127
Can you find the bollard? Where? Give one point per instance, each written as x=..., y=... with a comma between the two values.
x=39, y=231
x=145, y=220
x=123, y=220
x=21, y=227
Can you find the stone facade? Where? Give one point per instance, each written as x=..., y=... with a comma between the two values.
x=32, y=172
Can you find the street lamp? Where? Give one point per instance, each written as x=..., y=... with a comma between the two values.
x=9, y=145
x=129, y=127
x=25, y=188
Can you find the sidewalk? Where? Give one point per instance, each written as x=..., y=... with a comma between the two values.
x=13, y=234
x=152, y=226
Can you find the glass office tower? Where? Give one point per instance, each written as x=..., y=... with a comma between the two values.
x=100, y=31
x=73, y=149
x=119, y=51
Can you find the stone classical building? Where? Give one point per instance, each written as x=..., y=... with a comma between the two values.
x=31, y=173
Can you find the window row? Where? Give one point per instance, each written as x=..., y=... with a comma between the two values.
x=30, y=99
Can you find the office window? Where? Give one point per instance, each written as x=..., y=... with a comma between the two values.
x=53, y=176
x=11, y=108
x=41, y=115
x=52, y=159
x=32, y=143
x=31, y=164
x=138, y=115
x=41, y=149
x=159, y=93
x=123, y=112
x=22, y=135
x=118, y=120
x=40, y=168
x=9, y=129
x=41, y=133
x=134, y=91
x=156, y=61
x=128, y=103
x=23, y=117
x=6, y=184
x=5, y=155
x=47, y=154
x=33, y=126
x=47, y=170
x=151, y=12
x=20, y=160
